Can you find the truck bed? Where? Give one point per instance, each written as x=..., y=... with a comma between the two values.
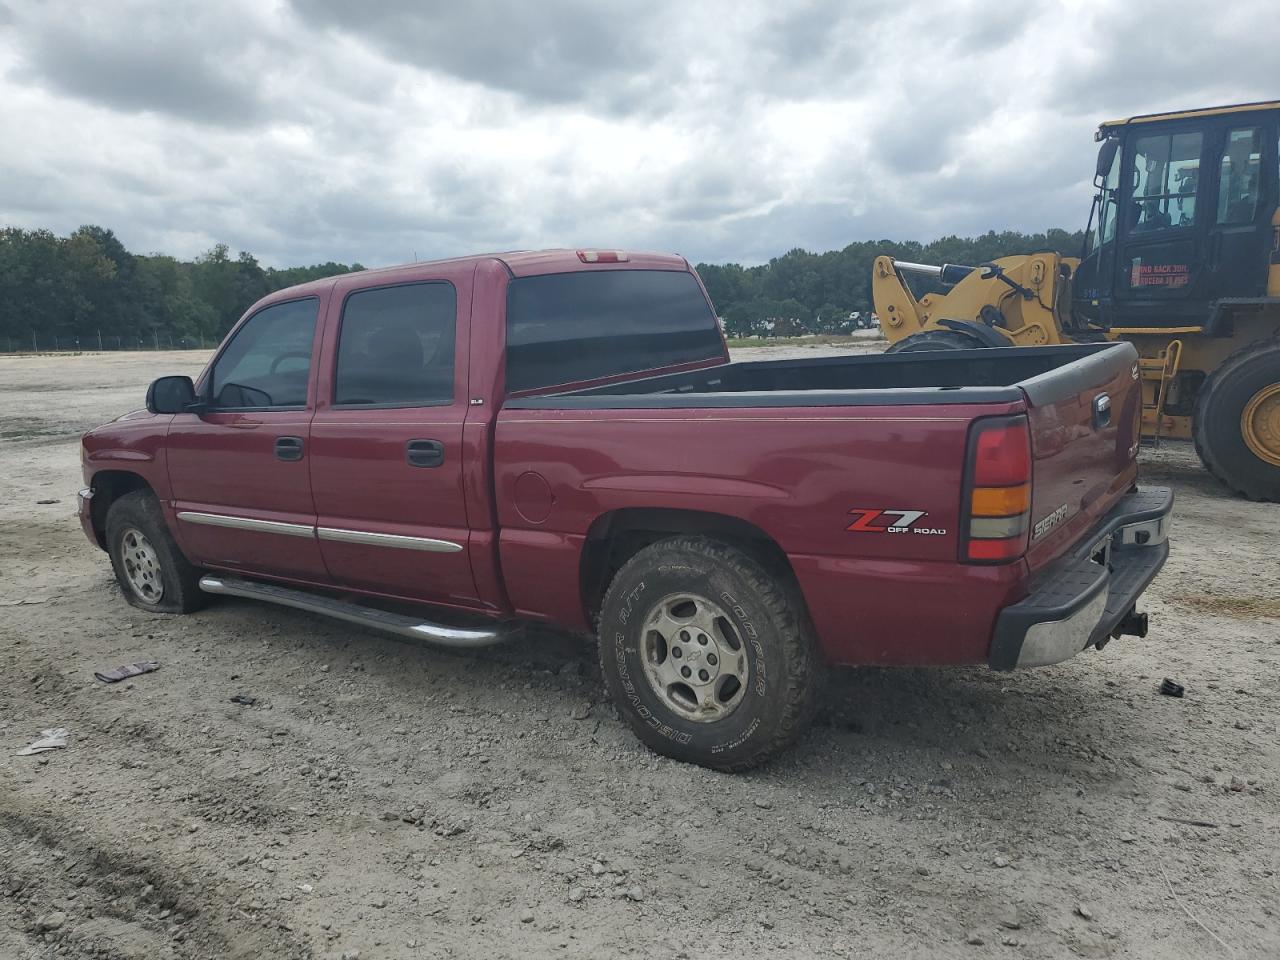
x=1043, y=375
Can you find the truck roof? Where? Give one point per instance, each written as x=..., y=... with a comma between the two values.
x=521, y=263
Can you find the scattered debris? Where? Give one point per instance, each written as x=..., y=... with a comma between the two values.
x=45, y=503
x=52, y=739
x=244, y=699
x=1171, y=689
x=1082, y=910
x=23, y=601
x=117, y=674
x=1190, y=823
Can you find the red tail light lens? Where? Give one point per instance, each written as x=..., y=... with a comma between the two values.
x=997, y=505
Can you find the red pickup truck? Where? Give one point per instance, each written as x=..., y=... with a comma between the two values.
x=561, y=437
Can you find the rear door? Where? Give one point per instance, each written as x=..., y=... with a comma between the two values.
x=238, y=471
x=1084, y=446
x=386, y=464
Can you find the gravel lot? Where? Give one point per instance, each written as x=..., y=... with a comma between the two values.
x=388, y=801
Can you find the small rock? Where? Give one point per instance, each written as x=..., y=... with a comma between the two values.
x=974, y=940
x=1241, y=725
x=577, y=894
x=1009, y=919
x=350, y=955
x=52, y=921
x=1082, y=910
x=581, y=712
x=597, y=868
x=764, y=804
x=378, y=902
x=526, y=915
x=635, y=893
x=1000, y=861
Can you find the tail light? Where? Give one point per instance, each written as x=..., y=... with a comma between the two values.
x=996, y=513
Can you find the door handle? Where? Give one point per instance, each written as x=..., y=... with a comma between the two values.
x=424, y=453
x=288, y=448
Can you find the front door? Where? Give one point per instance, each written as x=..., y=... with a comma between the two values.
x=1162, y=228
x=239, y=471
x=386, y=441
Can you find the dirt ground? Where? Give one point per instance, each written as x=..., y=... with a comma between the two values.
x=382, y=800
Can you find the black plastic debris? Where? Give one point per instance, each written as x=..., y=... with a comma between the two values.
x=1171, y=689
x=247, y=701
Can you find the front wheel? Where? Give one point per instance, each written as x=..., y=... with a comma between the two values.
x=709, y=657
x=151, y=570
x=935, y=340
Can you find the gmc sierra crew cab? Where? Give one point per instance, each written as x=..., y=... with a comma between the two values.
x=448, y=450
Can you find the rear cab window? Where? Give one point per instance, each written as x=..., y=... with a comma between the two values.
x=569, y=328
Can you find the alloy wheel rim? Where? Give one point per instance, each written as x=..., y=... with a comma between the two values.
x=141, y=566
x=694, y=658
x=1260, y=424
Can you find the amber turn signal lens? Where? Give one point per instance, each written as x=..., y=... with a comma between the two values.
x=1001, y=501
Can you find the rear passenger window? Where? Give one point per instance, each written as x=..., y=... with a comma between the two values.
x=395, y=347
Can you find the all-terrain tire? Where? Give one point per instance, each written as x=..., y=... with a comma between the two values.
x=780, y=662
x=935, y=340
x=1216, y=425
x=150, y=568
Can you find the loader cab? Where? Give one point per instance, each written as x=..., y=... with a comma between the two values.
x=1182, y=217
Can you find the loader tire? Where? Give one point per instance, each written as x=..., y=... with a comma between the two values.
x=709, y=657
x=935, y=340
x=1236, y=425
x=150, y=568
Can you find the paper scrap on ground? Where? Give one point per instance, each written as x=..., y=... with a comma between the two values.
x=52, y=739
x=128, y=670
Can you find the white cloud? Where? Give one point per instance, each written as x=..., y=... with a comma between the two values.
x=304, y=132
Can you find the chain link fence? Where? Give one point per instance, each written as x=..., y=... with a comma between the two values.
x=99, y=343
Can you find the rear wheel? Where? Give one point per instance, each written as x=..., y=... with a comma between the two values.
x=151, y=570
x=1237, y=421
x=708, y=656
x=935, y=340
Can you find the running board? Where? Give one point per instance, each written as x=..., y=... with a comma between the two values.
x=397, y=623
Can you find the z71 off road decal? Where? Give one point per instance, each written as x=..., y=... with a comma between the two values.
x=868, y=520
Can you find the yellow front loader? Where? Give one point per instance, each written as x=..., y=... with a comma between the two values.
x=1181, y=259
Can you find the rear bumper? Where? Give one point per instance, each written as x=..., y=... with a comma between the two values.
x=1082, y=600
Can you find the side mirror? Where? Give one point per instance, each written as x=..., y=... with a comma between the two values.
x=1106, y=157
x=170, y=395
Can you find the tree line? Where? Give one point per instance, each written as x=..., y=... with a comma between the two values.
x=87, y=290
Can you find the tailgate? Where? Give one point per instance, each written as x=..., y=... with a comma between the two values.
x=1084, y=443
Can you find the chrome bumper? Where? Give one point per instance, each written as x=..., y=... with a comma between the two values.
x=1086, y=598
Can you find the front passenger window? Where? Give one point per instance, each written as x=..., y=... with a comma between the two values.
x=267, y=364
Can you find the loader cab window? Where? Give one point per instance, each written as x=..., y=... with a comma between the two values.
x=1165, y=173
x=1106, y=207
x=1239, y=175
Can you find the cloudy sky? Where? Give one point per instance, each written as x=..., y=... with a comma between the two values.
x=310, y=130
